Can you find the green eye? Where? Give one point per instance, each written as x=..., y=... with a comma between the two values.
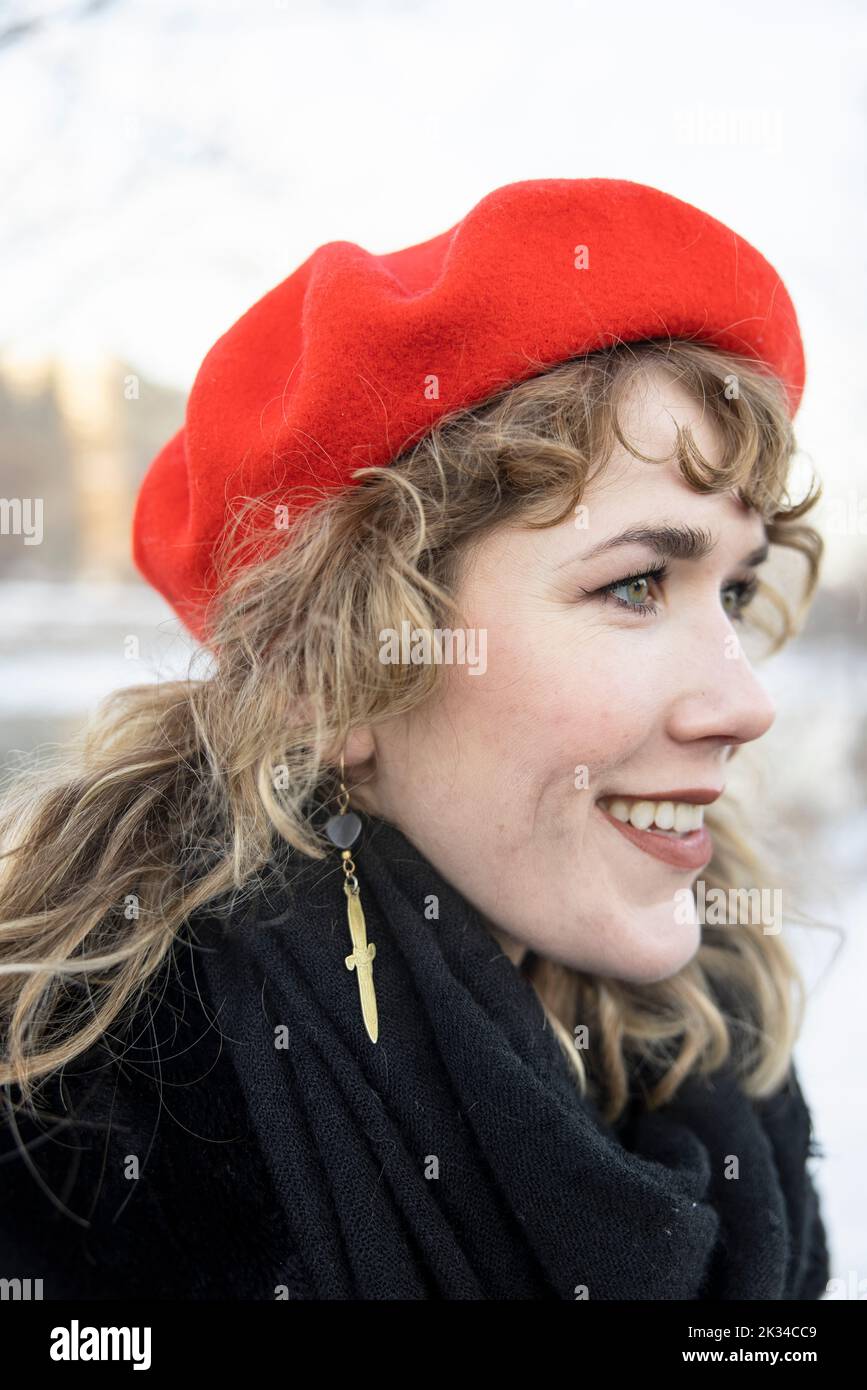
x=636, y=590
x=632, y=592
x=738, y=595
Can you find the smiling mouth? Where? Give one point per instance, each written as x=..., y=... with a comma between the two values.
x=673, y=817
x=671, y=829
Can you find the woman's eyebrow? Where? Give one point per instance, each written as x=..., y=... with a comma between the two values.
x=673, y=542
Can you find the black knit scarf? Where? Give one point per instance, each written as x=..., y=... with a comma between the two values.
x=456, y=1157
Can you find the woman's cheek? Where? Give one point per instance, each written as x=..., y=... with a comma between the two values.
x=609, y=728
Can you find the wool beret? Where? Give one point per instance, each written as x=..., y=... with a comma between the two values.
x=354, y=356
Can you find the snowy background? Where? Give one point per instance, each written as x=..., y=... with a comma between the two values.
x=164, y=164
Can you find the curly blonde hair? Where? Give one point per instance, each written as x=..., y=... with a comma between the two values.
x=170, y=801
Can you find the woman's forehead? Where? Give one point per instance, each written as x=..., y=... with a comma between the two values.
x=654, y=406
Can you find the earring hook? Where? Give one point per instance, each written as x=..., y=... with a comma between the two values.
x=343, y=795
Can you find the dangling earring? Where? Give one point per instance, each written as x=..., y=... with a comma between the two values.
x=343, y=830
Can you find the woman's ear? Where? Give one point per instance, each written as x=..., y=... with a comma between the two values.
x=359, y=751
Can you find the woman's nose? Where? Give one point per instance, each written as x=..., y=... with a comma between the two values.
x=717, y=693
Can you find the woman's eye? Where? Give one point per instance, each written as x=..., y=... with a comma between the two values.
x=633, y=593
x=737, y=596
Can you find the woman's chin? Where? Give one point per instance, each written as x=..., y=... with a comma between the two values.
x=637, y=945
x=656, y=945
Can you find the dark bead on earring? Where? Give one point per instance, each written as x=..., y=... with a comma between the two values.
x=343, y=830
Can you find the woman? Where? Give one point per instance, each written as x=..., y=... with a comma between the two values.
x=371, y=964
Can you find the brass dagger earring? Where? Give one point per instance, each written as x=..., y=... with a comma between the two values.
x=343, y=830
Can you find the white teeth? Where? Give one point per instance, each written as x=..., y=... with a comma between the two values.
x=641, y=814
x=665, y=815
x=679, y=816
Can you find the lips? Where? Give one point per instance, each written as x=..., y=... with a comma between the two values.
x=689, y=850
x=699, y=796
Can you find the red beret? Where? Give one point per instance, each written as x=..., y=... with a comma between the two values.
x=355, y=356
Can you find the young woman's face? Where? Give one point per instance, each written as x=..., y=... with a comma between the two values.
x=505, y=780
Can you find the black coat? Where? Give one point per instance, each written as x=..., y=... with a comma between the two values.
x=247, y=1140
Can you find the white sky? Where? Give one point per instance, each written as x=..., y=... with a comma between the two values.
x=164, y=164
